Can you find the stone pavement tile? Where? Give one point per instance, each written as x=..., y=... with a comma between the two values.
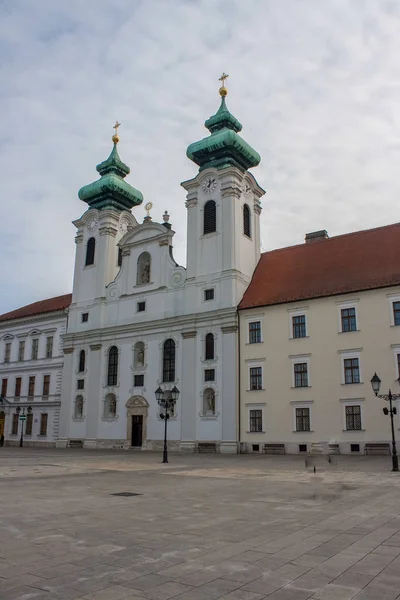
x=210, y=591
x=178, y=571
x=372, y=564
x=50, y=572
x=291, y=593
x=271, y=562
x=250, y=556
x=336, y=592
x=15, y=582
x=312, y=581
x=390, y=550
x=308, y=560
x=298, y=549
x=146, y=582
x=114, y=592
x=373, y=592
x=31, y=593
x=236, y=571
x=199, y=577
x=353, y=578
x=167, y=591
x=241, y=595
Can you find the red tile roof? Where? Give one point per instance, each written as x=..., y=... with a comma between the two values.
x=353, y=262
x=38, y=308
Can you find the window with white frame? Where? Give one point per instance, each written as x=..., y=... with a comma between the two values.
x=21, y=351
x=300, y=372
x=302, y=418
x=255, y=420
x=255, y=374
x=351, y=370
x=49, y=346
x=299, y=326
x=255, y=332
x=7, y=352
x=348, y=319
x=35, y=348
x=353, y=417
x=396, y=312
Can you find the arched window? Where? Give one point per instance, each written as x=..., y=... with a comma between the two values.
x=110, y=406
x=82, y=361
x=143, y=269
x=209, y=402
x=119, y=257
x=210, y=217
x=209, y=346
x=169, y=361
x=90, y=250
x=78, y=413
x=246, y=221
x=112, y=372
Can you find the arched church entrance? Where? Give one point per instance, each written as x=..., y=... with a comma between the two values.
x=137, y=409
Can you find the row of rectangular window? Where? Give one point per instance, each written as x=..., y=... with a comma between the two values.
x=31, y=386
x=350, y=365
x=29, y=424
x=34, y=350
x=303, y=419
x=348, y=319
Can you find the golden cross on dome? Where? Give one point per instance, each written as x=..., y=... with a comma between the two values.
x=222, y=78
x=116, y=127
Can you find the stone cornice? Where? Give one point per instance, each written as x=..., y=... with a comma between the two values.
x=227, y=316
x=188, y=334
x=229, y=329
x=34, y=318
x=95, y=347
x=30, y=366
x=68, y=350
x=107, y=229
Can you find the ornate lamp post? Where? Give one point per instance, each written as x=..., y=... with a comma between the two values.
x=376, y=386
x=22, y=418
x=167, y=400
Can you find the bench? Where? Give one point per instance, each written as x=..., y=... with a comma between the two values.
x=377, y=448
x=75, y=444
x=206, y=447
x=274, y=449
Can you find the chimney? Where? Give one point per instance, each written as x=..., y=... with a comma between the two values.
x=316, y=236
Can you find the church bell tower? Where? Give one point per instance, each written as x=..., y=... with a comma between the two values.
x=223, y=202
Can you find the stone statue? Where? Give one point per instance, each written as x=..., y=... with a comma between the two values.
x=144, y=265
x=113, y=407
x=209, y=401
x=140, y=357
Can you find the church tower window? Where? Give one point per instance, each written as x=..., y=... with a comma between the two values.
x=119, y=257
x=82, y=360
x=210, y=217
x=90, y=250
x=246, y=221
x=169, y=361
x=143, y=269
x=112, y=373
x=209, y=346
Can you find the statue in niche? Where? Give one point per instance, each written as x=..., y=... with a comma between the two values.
x=113, y=407
x=143, y=268
x=140, y=357
x=209, y=401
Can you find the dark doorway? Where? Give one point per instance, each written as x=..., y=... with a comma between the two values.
x=137, y=430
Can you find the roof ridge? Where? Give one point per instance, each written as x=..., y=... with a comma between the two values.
x=329, y=239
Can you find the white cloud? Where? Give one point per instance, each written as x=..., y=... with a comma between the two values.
x=315, y=84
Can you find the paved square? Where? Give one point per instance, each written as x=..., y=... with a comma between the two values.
x=203, y=527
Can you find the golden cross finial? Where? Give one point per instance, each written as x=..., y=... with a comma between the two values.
x=222, y=90
x=115, y=137
x=223, y=77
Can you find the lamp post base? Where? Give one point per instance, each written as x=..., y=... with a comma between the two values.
x=165, y=457
x=395, y=463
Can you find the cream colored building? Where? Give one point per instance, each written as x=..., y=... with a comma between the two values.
x=316, y=323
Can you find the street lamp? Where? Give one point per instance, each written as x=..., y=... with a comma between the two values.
x=167, y=400
x=22, y=418
x=392, y=410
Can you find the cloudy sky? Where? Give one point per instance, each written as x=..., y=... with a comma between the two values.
x=315, y=83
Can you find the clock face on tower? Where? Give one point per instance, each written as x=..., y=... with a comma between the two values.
x=123, y=226
x=92, y=224
x=209, y=185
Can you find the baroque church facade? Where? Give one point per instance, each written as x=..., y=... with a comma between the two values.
x=138, y=321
